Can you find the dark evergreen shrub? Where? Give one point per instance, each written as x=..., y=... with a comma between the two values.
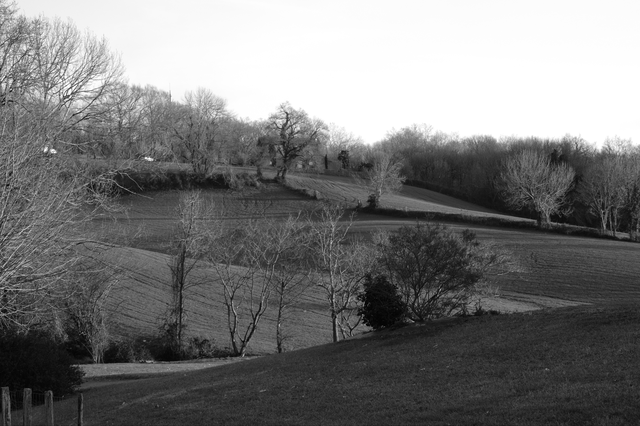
x=382, y=305
x=34, y=360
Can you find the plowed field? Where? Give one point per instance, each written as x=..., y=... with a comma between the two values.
x=556, y=271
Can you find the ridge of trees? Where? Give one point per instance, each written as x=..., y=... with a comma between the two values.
x=92, y=111
x=146, y=123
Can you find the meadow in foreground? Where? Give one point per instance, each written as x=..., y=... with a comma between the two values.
x=564, y=367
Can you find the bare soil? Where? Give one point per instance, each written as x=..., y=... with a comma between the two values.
x=100, y=375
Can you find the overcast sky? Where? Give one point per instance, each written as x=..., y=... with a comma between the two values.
x=498, y=67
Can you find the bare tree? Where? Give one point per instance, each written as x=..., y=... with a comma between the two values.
x=51, y=77
x=292, y=135
x=87, y=313
x=124, y=118
x=244, y=266
x=16, y=53
x=43, y=205
x=382, y=178
x=241, y=135
x=530, y=180
x=156, y=123
x=603, y=188
x=188, y=245
x=286, y=260
x=197, y=128
x=339, y=143
x=340, y=266
x=71, y=74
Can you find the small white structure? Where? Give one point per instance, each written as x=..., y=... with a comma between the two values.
x=148, y=159
x=48, y=150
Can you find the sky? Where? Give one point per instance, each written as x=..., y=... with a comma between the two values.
x=494, y=67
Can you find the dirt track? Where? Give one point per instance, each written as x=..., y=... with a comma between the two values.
x=510, y=302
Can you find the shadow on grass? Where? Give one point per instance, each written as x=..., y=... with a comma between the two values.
x=565, y=366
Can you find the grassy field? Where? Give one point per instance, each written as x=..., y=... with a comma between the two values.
x=147, y=219
x=348, y=191
x=581, y=269
x=556, y=269
x=572, y=366
x=139, y=303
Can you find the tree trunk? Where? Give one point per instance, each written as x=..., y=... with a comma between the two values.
x=279, y=336
x=544, y=219
x=334, y=326
x=603, y=222
x=179, y=284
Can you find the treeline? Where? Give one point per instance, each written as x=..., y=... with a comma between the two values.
x=146, y=123
x=64, y=91
x=603, y=192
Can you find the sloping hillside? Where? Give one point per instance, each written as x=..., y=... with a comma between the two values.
x=147, y=220
x=140, y=301
x=580, y=269
x=347, y=190
x=564, y=367
x=557, y=270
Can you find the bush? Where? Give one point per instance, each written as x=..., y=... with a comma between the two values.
x=194, y=348
x=128, y=350
x=238, y=181
x=373, y=202
x=438, y=271
x=34, y=360
x=382, y=305
x=198, y=348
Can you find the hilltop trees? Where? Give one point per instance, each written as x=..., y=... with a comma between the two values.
x=197, y=126
x=603, y=188
x=241, y=136
x=530, y=180
x=117, y=132
x=383, y=178
x=610, y=186
x=292, y=134
x=69, y=75
x=341, y=144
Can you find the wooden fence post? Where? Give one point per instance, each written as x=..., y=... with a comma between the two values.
x=80, y=408
x=27, y=414
x=48, y=408
x=6, y=407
